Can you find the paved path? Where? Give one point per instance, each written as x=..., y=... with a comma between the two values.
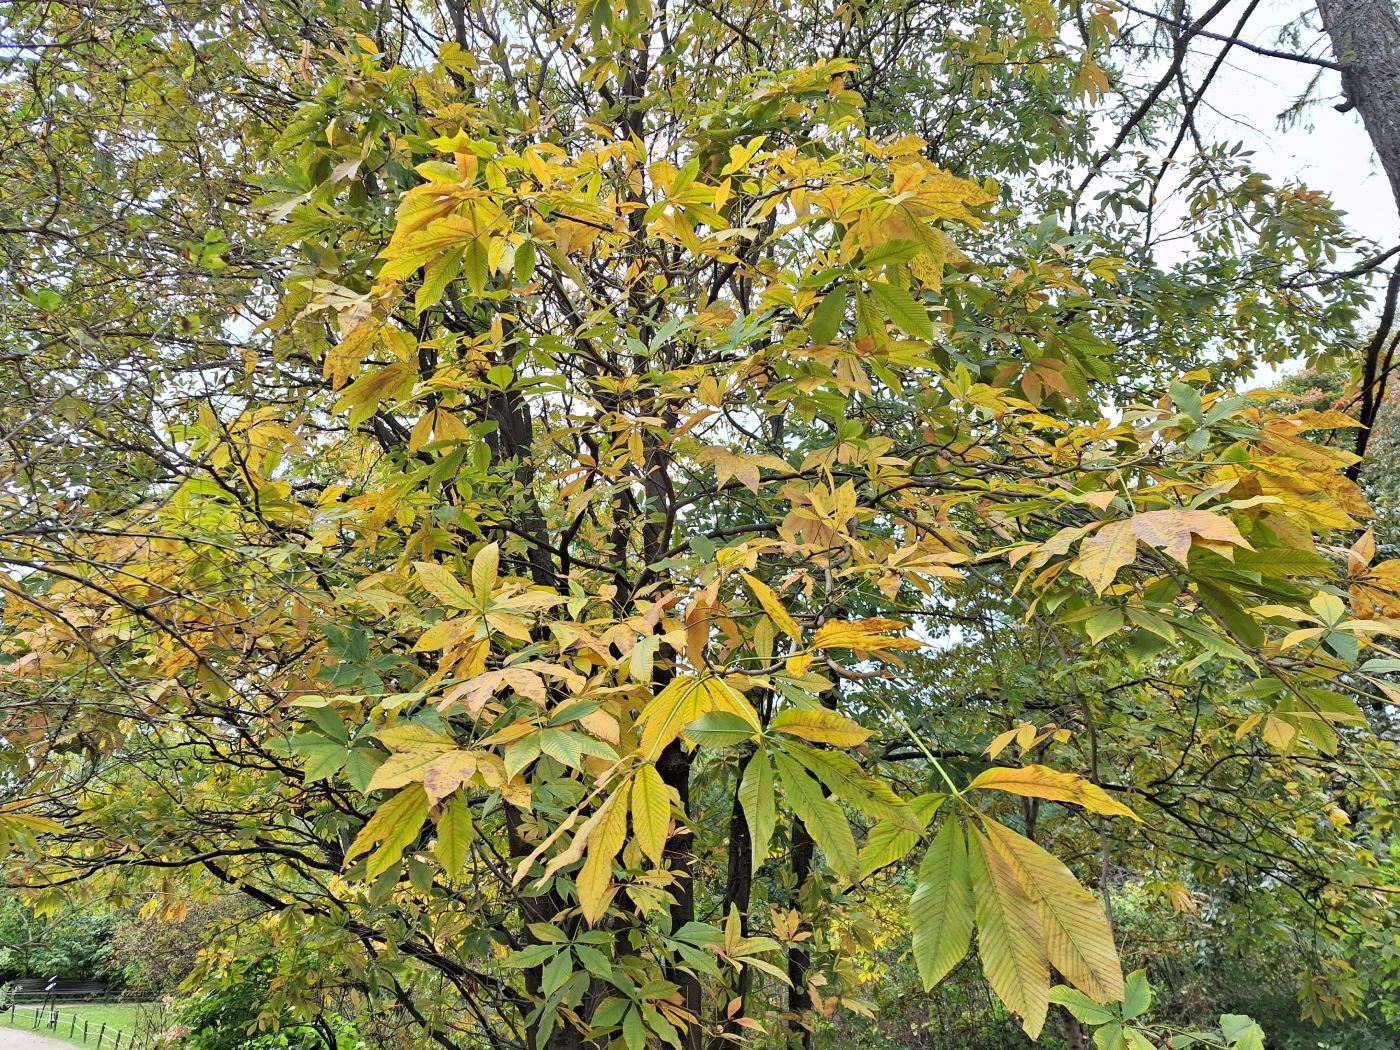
x=19, y=1039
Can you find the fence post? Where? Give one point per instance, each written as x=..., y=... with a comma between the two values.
x=85, y=1030
x=101, y=1032
x=72, y=1023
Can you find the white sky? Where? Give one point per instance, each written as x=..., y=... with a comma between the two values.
x=1333, y=155
x=1325, y=150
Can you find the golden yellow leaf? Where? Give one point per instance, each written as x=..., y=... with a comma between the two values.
x=1105, y=552
x=862, y=635
x=774, y=607
x=820, y=725
x=1010, y=941
x=442, y=585
x=484, y=569
x=1078, y=941
x=651, y=811
x=595, y=877
x=685, y=699
x=1042, y=782
x=1171, y=531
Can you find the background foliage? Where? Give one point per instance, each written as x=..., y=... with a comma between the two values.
x=646, y=523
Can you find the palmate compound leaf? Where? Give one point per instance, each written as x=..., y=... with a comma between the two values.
x=824, y=819
x=1077, y=938
x=1009, y=937
x=941, y=910
x=683, y=700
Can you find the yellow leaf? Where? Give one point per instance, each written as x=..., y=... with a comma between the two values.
x=820, y=725
x=484, y=569
x=651, y=811
x=862, y=635
x=447, y=773
x=442, y=585
x=403, y=767
x=1171, y=531
x=684, y=700
x=454, y=836
x=595, y=877
x=28, y=824
x=1105, y=552
x=773, y=606
x=1010, y=941
x=1078, y=941
x=393, y=826
x=729, y=464
x=1043, y=782
x=999, y=742
x=345, y=357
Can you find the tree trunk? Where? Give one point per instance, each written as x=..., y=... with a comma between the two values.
x=799, y=958
x=1365, y=37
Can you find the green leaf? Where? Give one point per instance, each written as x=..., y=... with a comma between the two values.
x=570, y=748
x=634, y=1031
x=1137, y=995
x=941, y=910
x=525, y=262
x=651, y=811
x=827, y=317
x=1080, y=1005
x=323, y=757
x=1228, y=613
x=885, y=843
x=758, y=800
x=908, y=314
x=844, y=778
x=825, y=820
x=435, y=278
x=718, y=729
x=454, y=835
x=1110, y=1037
x=1242, y=1032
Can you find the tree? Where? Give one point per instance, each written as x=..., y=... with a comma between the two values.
x=534, y=613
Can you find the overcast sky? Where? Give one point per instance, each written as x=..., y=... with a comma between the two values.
x=1333, y=155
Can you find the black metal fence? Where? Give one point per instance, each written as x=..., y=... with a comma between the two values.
x=100, y=1034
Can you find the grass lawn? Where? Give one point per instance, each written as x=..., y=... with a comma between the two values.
x=124, y=1016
